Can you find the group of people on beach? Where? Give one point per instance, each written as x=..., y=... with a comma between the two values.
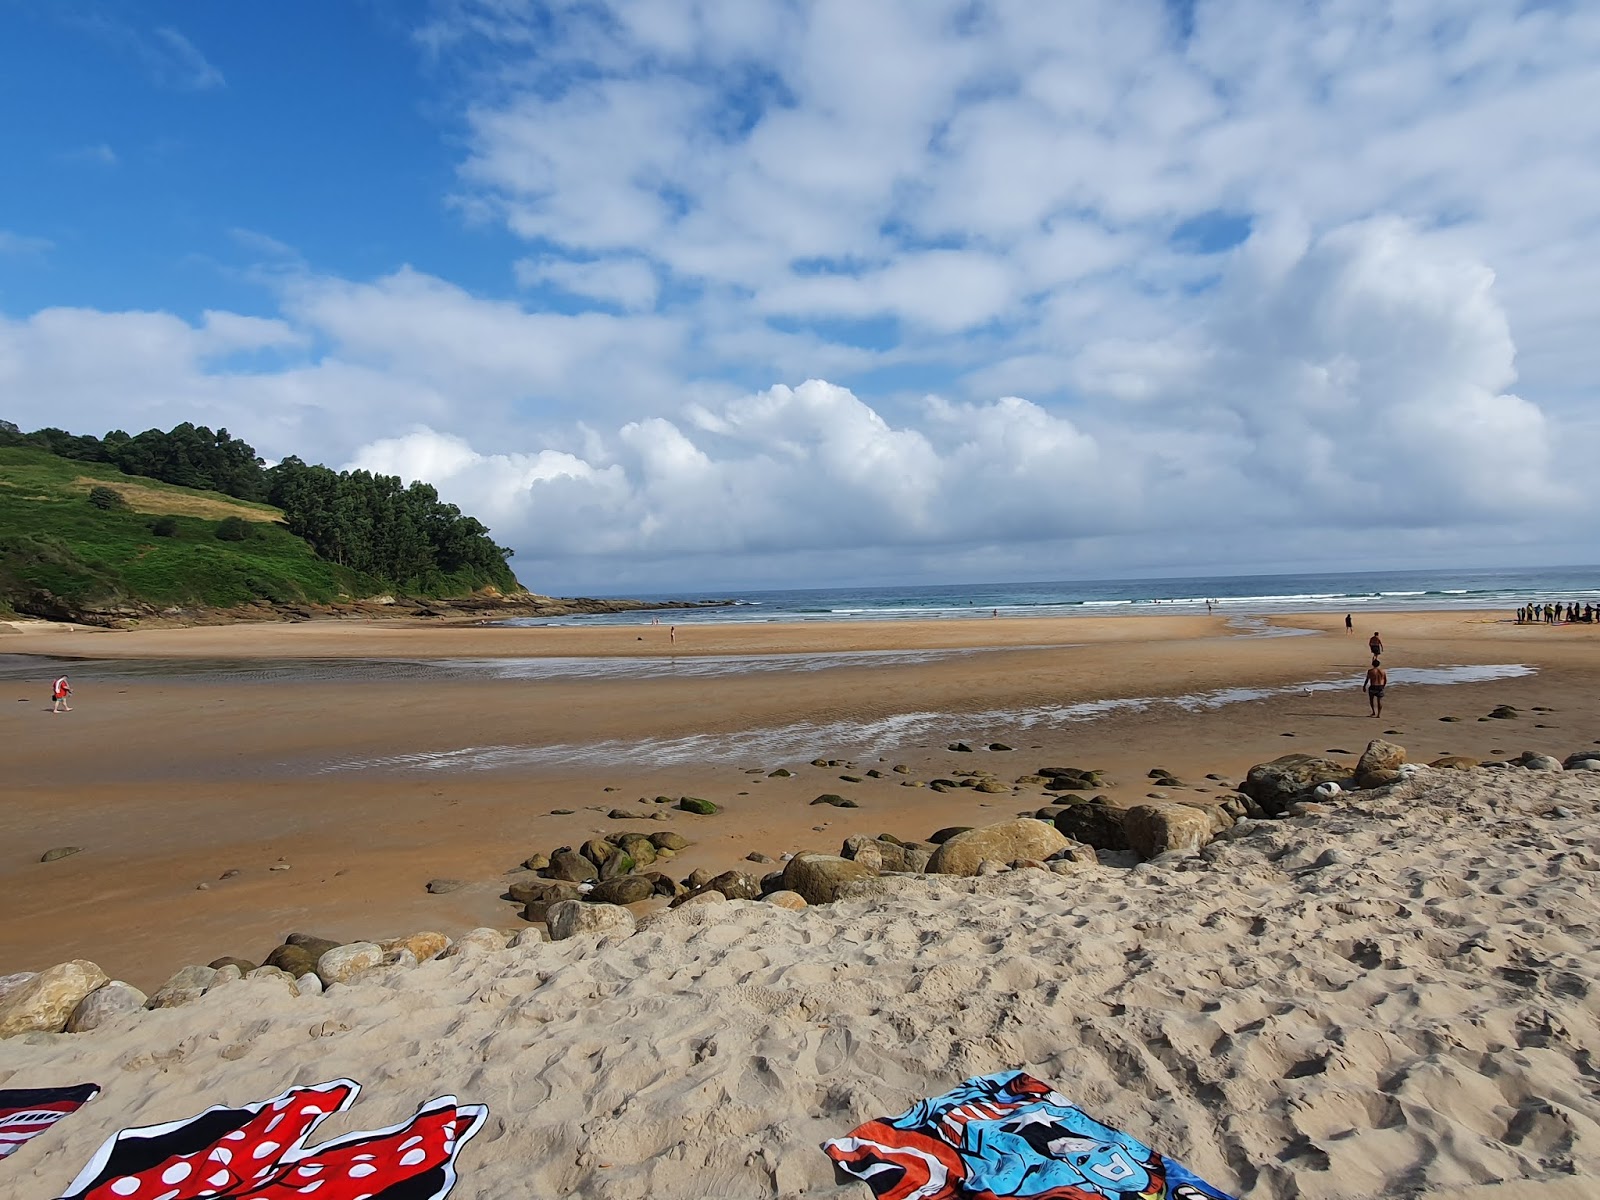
x=1376, y=681
x=1556, y=614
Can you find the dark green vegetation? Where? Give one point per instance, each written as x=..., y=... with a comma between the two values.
x=80, y=533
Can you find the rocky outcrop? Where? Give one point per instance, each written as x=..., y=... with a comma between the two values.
x=343, y=963
x=105, y=1004
x=1004, y=842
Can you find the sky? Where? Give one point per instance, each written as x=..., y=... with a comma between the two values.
x=689, y=295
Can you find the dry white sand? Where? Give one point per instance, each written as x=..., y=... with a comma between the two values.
x=1395, y=999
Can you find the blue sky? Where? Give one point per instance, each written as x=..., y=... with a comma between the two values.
x=744, y=292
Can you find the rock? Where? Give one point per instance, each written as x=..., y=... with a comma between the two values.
x=309, y=984
x=185, y=987
x=316, y=946
x=295, y=960
x=851, y=778
x=571, y=918
x=639, y=848
x=696, y=805
x=697, y=878
x=756, y=856
x=42, y=1001
x=536, y=862
x=1155, y=829
x=667, y=840
x=1274, y=784
x=940, y=836
x=546, y=893
x=999, y=747
x=440, y=887
x=1003, y=842
x=619, y=864
x=1378, y=756
x=1504, y=712
x=1455, y=762
x=1582, y=761
x=836, y=800
x=736, y=885
x=902, y=858
x=786, y=899
x=1097, y=825
x=245, y=966
x=60, y=852
x=1540, y=762
x=423, y=946
x=481, y=940
x=959, y=747
x=1372, y=779
x=343, y=963
x=622, y=814
x=705, y=896
x=662, y=883
x=274, y=975
x=989, y=866
x=105, y=1003
x=399, y=957
x=991, y=786
x=526, y=939
x=626, y=889
x=1075, y=852
x=780, y=773
x=568, y=865
x=818, y=877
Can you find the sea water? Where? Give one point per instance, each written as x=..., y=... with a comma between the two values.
x=1252, y=595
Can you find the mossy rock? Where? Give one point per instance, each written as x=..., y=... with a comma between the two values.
x=695, y=804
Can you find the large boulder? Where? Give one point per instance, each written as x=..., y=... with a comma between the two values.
x=42, y=1001
x=572, y=918
x=625, y=889
x=344, y=963
x=736, y=885
x=818, y=877
x=667, y=840
x=1155, y=829
x=898, y=857
x=315, y=946
x=572, y=867
x=296, y=960
x=640, y=848
x=1274, y=785
x=1097, y=825
x=105, y=1004
x=1004, y=842
x=1379, y=763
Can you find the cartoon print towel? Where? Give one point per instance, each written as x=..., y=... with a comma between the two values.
x=258, y=1152
x=1008, y=1135
x=25, y=1113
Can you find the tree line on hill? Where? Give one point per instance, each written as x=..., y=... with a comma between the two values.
x=404, y=536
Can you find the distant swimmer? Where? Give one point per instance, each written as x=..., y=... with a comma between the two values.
x=1376, y=681
x=59, y=691
x=1375, y=644
x=672, y=633
x=1349, y=623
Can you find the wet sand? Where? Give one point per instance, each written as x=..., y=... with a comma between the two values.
x=169, y=780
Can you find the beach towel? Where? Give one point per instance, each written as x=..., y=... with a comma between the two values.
x=1008, y=1135
x=258, y=1152
x=25, y=1113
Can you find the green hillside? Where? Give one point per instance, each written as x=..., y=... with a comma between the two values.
x=60, y=554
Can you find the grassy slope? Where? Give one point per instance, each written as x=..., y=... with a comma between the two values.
x=52, y=538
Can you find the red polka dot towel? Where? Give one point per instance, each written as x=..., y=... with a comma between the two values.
x=258, y=1152
x=25, y=1113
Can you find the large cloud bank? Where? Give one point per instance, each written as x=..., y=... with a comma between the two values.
x=838, y=290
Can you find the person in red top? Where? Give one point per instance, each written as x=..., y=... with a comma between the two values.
x=59, y=693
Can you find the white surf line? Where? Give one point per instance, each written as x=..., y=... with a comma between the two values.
x=802, y=739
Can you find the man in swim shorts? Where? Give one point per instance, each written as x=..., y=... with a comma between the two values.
x=1375, y=644
x=1377, y=680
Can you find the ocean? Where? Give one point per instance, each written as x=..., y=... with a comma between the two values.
x=1233, y=595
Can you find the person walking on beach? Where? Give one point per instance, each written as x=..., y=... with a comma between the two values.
x=1349, y=624
x=1375, y=683
x=59, y=691
x=1375, y=644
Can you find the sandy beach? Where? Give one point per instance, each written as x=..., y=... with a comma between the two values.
x=1394, y=996
x=365, y=788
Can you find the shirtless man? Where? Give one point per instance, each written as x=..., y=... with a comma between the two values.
x=1375, y=644
x=1377, y=680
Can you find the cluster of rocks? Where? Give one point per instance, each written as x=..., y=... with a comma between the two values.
x=615, y=869
x=77, y=996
